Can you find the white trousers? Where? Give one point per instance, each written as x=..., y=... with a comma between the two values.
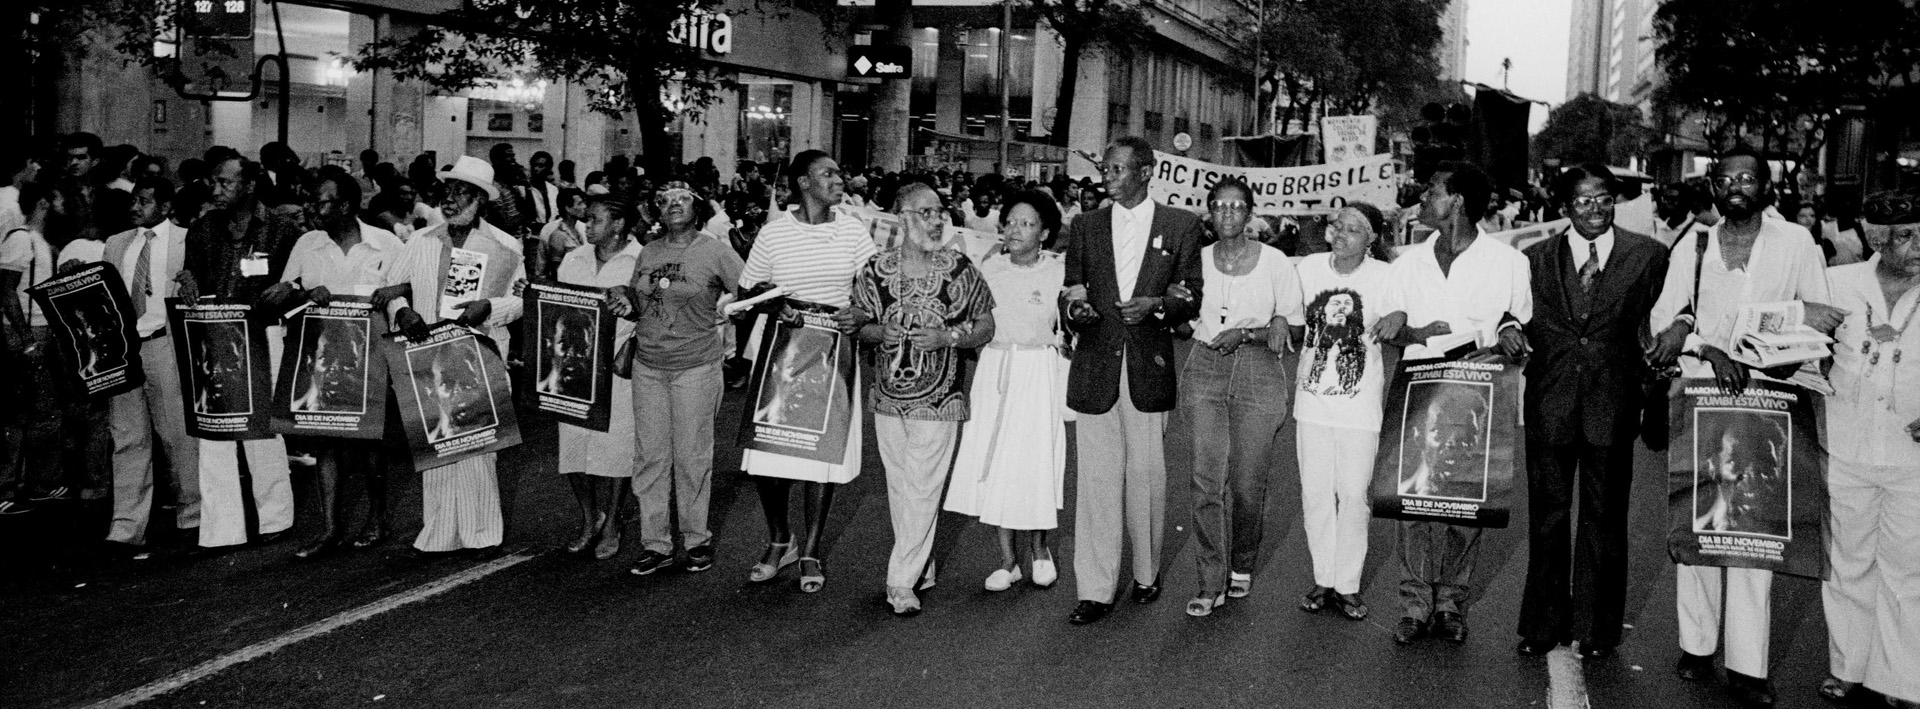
x=460, y=506
x=1872, y=593
x=1747, y=616
x=918, y=456
x=223, y=519
x=1335, y=466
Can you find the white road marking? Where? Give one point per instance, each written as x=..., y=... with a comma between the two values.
x=313, y=630
x=1566, y=681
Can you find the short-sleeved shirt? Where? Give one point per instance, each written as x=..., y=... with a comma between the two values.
x=27, y=252
x=813, y=262
x=582, y=267
x=676, y=289
x=910, y=383
x=317, y=261
x=1026, y=310
x=1252, y=299
x=1342, y=375
x=1487, y=282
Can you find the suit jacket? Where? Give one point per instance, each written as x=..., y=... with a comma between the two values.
x=1584, y=376
x=1172, y=255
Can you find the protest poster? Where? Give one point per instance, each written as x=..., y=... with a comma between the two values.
x=1183, y=182
x=1748, y=478
x=1448, y=444
x=225, y=378
x=333, y=379
x=976, y=244
x=571, y=353
x=93, y=319
x=453, y=396
x=466, y=275
x=1347, y=138
x=801, y=390
x=887, y=229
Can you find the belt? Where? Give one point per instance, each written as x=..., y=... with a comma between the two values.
x=997, y=345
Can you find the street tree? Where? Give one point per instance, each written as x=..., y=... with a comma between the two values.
x=1588, y=128
x=1083, y=26
x=1347, y=57
x=1772, y=74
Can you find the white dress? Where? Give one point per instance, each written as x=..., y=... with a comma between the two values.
x=1011, y=468
x=608, y=454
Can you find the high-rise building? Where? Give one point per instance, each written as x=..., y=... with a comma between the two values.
x=1451, y=54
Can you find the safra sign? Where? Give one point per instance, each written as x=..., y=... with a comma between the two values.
x=879, y=62
x=700, y=29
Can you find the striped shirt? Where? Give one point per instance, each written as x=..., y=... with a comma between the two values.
x=813, y=262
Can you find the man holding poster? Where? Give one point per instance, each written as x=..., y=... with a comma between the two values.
x=1465, y=295
x=461, y=500
x=346, y=257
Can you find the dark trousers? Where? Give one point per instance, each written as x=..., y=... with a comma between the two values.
x=1436, y=567
x=1581, y=593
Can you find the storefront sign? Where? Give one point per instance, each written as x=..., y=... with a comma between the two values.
x=879, y=62
x=711, y=31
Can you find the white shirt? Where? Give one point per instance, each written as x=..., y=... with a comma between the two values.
x=1330, y=392
x=1131, y=231
x=11, y=215
x=1785, y=265
x=581, y=267
x=1874, y=397
x=158, y=280
x=27, y=252
x=1488, y=281
x=1270, y=288
x=1577, y=245
x=317, y=261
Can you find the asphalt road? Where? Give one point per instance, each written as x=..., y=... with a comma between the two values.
x=560, y=630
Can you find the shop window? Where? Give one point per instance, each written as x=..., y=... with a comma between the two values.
x=1155, y=121
x=536, y=122
x=1206, y=131
x=766, y=120
x=500, y=122
x=1179, y=124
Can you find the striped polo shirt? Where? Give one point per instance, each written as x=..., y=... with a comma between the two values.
x=813, y=262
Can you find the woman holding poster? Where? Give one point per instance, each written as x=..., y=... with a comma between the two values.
x=597, y=465
x=1236, y=393
x=813, y=254
x=1342, y=378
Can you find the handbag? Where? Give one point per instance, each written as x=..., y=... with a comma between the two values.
x=623, y=358
x=1656, y=416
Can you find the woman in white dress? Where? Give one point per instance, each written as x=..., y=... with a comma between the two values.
x=598, y=465
x=1011, y=467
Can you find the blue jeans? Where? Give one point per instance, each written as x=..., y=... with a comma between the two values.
x=1236, y=404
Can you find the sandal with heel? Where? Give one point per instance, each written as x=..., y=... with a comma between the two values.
x=763, y=572
x=811, y=583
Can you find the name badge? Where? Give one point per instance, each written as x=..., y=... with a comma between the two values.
x=254, y=265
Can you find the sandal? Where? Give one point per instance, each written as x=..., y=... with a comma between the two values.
x=1239, y=585
x=1350, y=604
x=587, y=535
x=1316, y=599
x=1834, y=689
x=763, y=572
x=904, y=603
x=811, y=583
x=1203, y=606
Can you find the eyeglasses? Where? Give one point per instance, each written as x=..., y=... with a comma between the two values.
x=1744, y=179
x=825, y=173
x=927, y=213
x=1230, y=205
x=1604, y=201
x=1033, y=224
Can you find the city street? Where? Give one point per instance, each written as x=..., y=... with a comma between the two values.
x=549, y=629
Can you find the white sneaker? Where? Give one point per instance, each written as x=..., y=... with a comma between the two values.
x=1043, y=573
x=1003, y=579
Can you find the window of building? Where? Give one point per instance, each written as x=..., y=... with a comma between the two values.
x=766, y=119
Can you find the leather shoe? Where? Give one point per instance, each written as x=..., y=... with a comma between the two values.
x=1450, y=626
x=1751, y=691
x=1145, y=594
x=1408, y=630
x=1693, y=668
x=1597, y=652
x=1089, y=612
x=1535, y=648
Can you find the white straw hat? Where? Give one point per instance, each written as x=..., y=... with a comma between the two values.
x=474, y=171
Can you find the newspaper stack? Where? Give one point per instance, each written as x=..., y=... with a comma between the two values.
x=1767, y=335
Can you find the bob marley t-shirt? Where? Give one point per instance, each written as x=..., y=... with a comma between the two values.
x=1341, y=374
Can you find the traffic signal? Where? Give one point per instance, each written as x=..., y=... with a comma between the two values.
x=1442, y=136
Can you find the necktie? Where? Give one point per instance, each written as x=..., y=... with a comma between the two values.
x=142, y=274
x=540, y=199
x=1590, y=271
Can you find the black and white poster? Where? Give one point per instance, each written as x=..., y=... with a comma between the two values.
x=224, y=372
x=333, y=377
x=571, y=354
x=93, y=319
x=454, y=398
x=801, y=398
x=1748, y=478
x=1448, y=444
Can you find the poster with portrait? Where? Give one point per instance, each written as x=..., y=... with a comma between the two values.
x=333, y=377
x=1448, y=444
x=225, y=378
x=800, y=402
x=1748, y=478
x=453, y=396
x=466, y=274
x=92, y=318
x=571, y=353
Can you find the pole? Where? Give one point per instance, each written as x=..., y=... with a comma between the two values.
x=286, y=81
x=1006, y=121
x=1259, y=49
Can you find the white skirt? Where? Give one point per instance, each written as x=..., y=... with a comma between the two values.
x=1011, y=468
x=610, y=454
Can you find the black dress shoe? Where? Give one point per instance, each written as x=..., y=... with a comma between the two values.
x=1145, y=594
x=1693, y=668
x=1751, y=691
x=1408, y=630
x=1597, y=652
x=1535, y=648
x=1450, y=626
x=1089, y=612
x=1316, y=599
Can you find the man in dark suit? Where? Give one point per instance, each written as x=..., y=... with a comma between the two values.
x=1121, y=262
x=1593, y=287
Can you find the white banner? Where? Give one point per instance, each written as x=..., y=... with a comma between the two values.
x=1183, y=182
x=1347, y=138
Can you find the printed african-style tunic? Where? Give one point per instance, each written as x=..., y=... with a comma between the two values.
x=910, y=383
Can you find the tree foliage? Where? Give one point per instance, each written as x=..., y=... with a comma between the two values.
x=1588, y=128
x=1773, y=73
x=1348, y=56
x=1084, y=25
